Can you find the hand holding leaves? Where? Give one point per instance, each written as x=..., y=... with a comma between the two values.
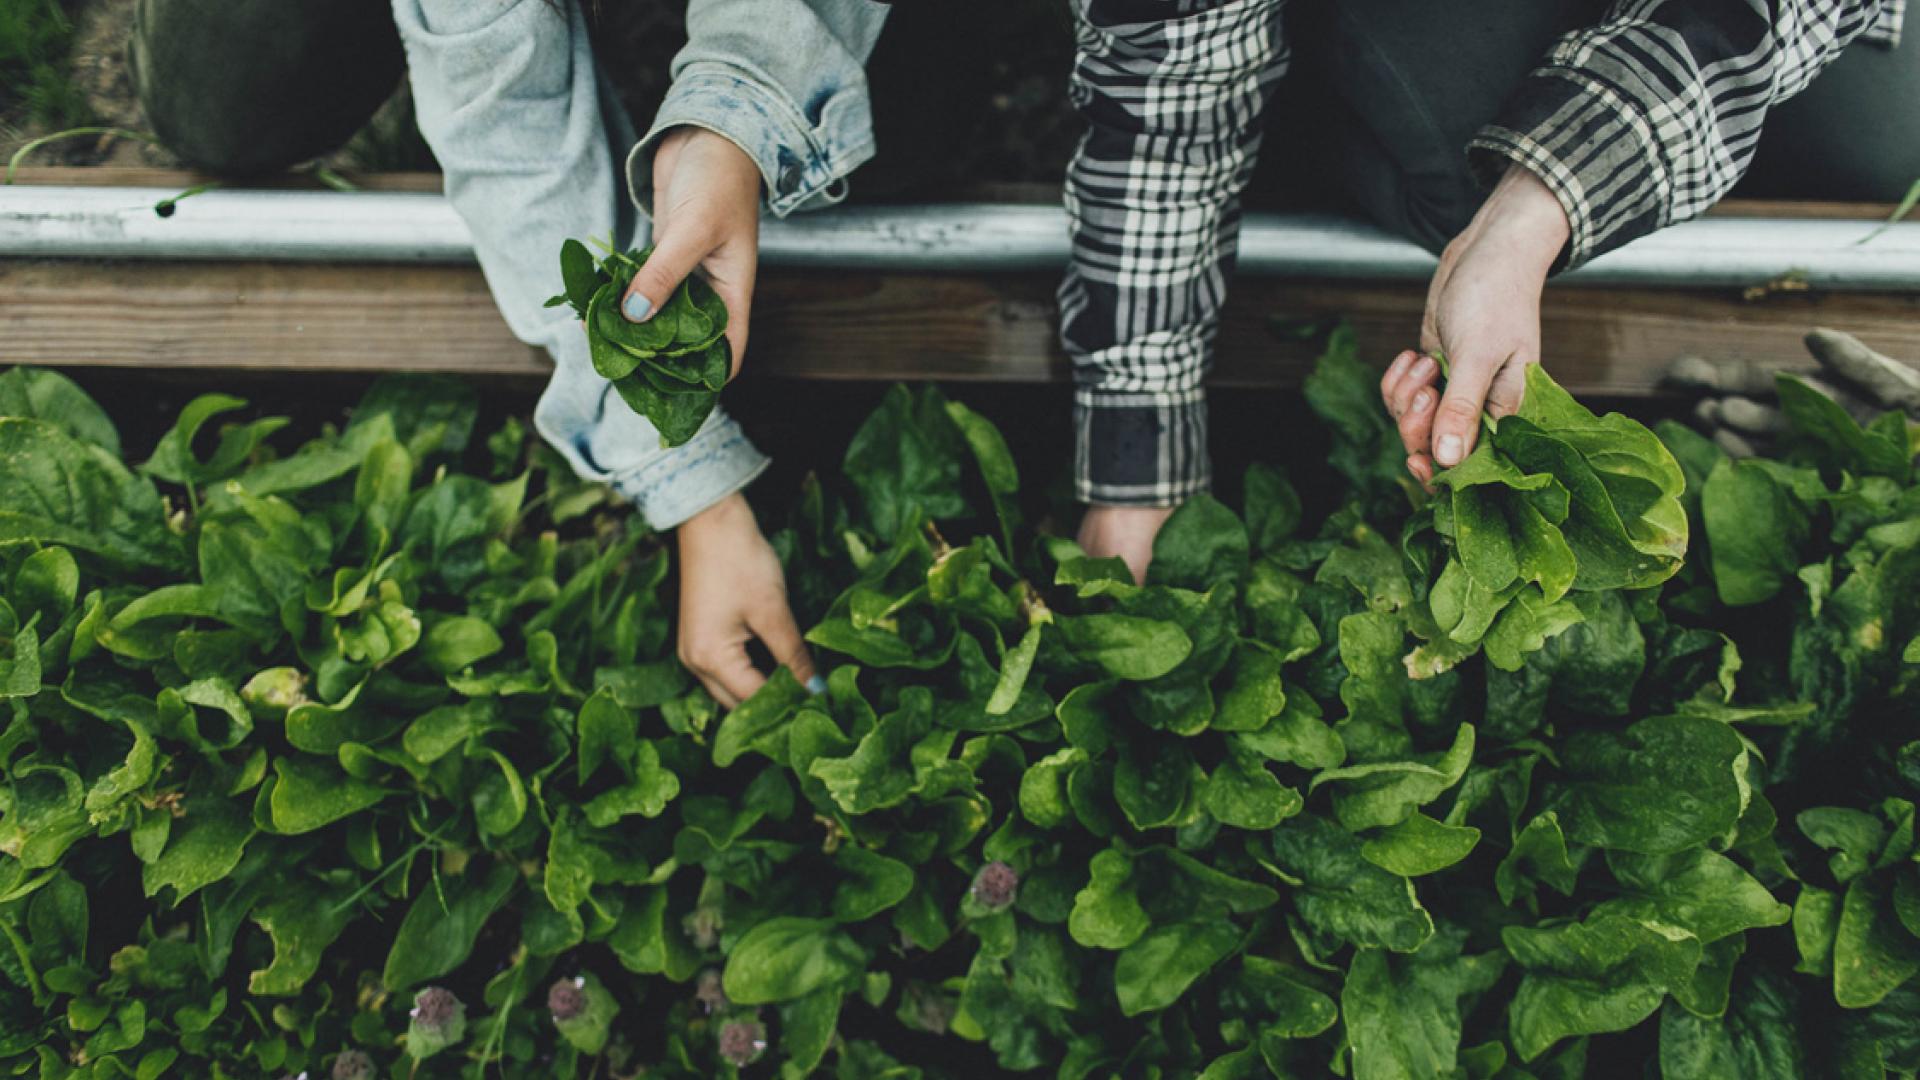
x=670, y=368
x=1483, y=311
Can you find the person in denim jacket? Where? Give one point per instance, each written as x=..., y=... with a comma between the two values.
x=769, y=99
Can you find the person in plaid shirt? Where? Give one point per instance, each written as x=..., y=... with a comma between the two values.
x=1642, y=113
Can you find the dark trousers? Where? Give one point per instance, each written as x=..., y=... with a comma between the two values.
x=1398, y=87
x=243, y=87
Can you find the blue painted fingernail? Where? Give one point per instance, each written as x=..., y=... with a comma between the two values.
x=816, y=685
x=636, y=307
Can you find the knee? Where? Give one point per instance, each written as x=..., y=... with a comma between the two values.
x=231, y=85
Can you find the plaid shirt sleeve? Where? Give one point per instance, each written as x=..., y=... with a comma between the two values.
x=1650, y=117
x=1172, y=91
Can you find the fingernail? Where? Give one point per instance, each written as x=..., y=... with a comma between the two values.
x=1448, y=450
x=816, y=685
x=636, y=307
x=1424, y=367
x=1421, y=400
x=1400, y=363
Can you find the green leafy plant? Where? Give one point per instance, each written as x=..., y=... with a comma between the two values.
x=370, y=755
x=1553, y=501
x=36, y=81
x=670, y=368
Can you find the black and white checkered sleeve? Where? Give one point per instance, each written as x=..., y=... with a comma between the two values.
x=1172, y=91
x=1650, y=117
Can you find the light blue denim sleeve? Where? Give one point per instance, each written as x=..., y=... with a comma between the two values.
x=785, y=80
x=508, y=97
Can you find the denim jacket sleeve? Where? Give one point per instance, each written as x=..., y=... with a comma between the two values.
x=509, y=98
x=784, y=80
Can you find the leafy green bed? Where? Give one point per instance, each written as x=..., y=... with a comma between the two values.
x=369, y=758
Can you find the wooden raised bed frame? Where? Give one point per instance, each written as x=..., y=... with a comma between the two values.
x=850, y=325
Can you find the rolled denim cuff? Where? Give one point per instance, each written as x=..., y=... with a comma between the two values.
x=803, y=166
x=675, y=486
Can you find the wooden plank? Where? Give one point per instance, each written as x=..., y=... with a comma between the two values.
x=283, y=317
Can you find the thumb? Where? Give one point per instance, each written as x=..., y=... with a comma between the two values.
x=676, y=252
x=784, y=641
x=1456, y=423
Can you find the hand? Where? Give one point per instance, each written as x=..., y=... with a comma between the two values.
x=1483, y=314
x=1737, y=398
x=731, y=592
x=1124, y=531
x=706, y=216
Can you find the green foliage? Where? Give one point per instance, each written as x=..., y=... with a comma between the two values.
x=670, y=368
x=403, y=768
x=36, y=38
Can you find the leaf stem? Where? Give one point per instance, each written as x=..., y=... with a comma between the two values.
x=399, y=861
x=13, y=163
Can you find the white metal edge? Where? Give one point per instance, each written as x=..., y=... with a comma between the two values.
x=300, y=226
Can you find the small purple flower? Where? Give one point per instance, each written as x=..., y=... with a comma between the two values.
x=435, y=1007
x=995, y=884
x=438, y=1020
x=707, y=991
x=352, y=1065
x=567, y=998
x=742, y=1041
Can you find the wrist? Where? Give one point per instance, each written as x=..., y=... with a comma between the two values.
x=727, y=515
x=734, y=169
x=1527, y=217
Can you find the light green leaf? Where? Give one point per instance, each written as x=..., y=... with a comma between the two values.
x=1156, y=970
x=787, y=957
x=1419, y=845
x=1107, y=913
x=310, y=794
x=1126, y=646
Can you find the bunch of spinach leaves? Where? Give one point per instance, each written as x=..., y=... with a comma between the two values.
x=670, y=368
x=296, y=736
x=1553, y=500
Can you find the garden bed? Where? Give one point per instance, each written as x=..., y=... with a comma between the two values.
x=363, y=751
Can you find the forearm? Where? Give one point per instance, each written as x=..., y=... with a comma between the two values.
x=1652, y=116
x=507, y=96
x=785, y=81
x=1173, y=116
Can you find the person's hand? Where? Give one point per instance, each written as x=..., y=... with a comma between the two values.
x=1738, y=403
x=1123, y=531
x=706, y=216
x=731, y=592
x=1483, y=315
